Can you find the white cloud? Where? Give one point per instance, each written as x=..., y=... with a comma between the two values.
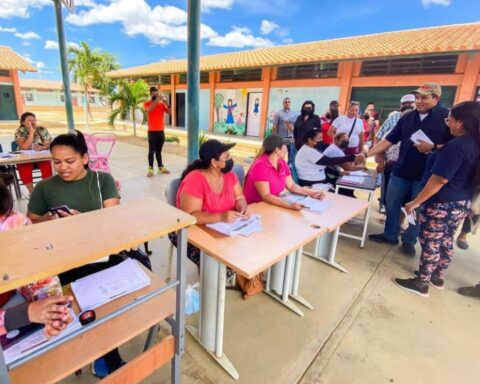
x=224, y=4
x=267, y=27
x=287, y=41
x=52, y=44
x=427, y=3
x=27, y=35
x=84, y=3
x=20, y=8
x=40, y=64
x=239, y=38
x=9, y=30
x=161, y=24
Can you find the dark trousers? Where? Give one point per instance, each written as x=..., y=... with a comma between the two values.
x=385, y=179
x=309, y=183
x=156, y=139
x=467, y=223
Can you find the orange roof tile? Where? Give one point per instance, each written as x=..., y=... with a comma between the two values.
x=443, y=39
x=13, y=61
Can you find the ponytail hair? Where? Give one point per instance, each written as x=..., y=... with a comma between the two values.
x=196, y=164
x=73, y=139
x=469, y=113
x=309, y=135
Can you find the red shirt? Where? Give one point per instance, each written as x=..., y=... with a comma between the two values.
x=325, y=136
x=263, y=170
x=155, y=118
x=196, y=185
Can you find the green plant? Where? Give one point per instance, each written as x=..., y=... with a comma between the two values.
x=172, y=139
x=88, y=67
x=202, y=137
x=128, y=98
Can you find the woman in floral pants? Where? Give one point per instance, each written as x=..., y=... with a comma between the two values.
x=451, y=173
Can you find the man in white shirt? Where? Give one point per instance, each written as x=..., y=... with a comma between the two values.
x=352, y=125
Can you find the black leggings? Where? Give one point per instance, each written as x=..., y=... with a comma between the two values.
x=112, y=358
x=467, y=223
x=156, y=139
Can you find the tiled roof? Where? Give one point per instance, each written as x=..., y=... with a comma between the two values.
x=12, y=60
x=49, y=84
x=443, y=39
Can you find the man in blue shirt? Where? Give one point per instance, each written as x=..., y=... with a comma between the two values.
x=283, y=126
x=404, y=184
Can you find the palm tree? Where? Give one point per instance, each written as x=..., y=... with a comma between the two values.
x=128, y=98
x=88, y=67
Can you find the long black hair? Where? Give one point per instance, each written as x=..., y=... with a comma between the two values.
x=469, y=113
x=308, y=102
x=74, y=140
x=198, y=164
x=6, y=198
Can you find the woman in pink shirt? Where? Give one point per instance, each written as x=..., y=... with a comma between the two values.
x=210, y=191
x=269, y=175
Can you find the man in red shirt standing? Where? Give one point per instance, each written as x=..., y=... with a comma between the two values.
x=156, y=108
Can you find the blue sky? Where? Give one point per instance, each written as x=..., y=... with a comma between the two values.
x=144, y=31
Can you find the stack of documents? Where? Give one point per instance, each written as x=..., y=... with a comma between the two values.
x=35, y=341
x=102, y=287
x=244, y=227
x=420, y=136
x=314, y=205
x=4, y=155
x=355, y=177
x=33, y=152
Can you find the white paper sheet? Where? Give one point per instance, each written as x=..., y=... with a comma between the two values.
x=349, y=179
x=239, y=227
x=33, y=152
x=102, y=287
x=5, y=155
x=420, y=136
x=37, y=340
x=313, y=205
x=410, y=216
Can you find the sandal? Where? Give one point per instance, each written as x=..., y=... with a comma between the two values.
x=462, y=244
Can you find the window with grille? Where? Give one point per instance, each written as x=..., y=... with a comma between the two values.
x=164, y=79
x=408, y=65
x=28, y=96
x=4, y=73
x=307, y=71
x=254, y=74
x=182, y=78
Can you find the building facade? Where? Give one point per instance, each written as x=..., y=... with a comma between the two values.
x=11, y=105
x=241, y=91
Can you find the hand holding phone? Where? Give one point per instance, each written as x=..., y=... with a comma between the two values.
x=60, y=208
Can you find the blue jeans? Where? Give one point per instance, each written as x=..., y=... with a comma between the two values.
x=399, y=192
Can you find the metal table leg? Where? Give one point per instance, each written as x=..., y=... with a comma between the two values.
x=365, y=219
x=212, y=311
x=326, y=248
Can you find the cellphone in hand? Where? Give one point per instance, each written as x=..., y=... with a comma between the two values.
x=64, y=208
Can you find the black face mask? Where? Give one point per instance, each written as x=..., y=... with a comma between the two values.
x=228, y=166
x=153, y=98
x=307, y=112
x=343, y=144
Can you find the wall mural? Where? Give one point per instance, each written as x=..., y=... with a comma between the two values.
x=231, y=111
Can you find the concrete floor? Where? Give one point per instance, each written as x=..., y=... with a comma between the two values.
x=363, y=328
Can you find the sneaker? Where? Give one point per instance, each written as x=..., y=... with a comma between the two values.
x=462, y=244
x=380, y=238
x=150, y=172
x=435, y=281
x=382, y=210
x=413, y=285
x=231, y=281
x=470, y=291
x=408, y=249
x=163, y=171
x=100, y=368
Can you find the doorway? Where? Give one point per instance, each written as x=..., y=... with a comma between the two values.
x=180, y=109
x=8, y=109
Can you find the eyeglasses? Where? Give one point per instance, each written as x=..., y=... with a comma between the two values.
x=447, y=119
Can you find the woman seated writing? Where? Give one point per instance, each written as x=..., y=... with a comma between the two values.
x=14, y=312
x=81, y=190
x=210, y=191
x=310, y=163
x=32, y=136
x=269, y=175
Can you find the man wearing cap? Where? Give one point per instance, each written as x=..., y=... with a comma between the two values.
x=404, y=184
x=387, y=160
x=156, y=108
x=283, y=126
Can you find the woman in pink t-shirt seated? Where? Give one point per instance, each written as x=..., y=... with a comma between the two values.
x=269, y=175
x=210, y=191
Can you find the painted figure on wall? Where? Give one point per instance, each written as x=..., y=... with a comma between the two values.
x=230, y=108
x=256, y=106
x=219, y=98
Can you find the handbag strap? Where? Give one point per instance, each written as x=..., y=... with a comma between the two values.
x=99, y=190
x=351, y=129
